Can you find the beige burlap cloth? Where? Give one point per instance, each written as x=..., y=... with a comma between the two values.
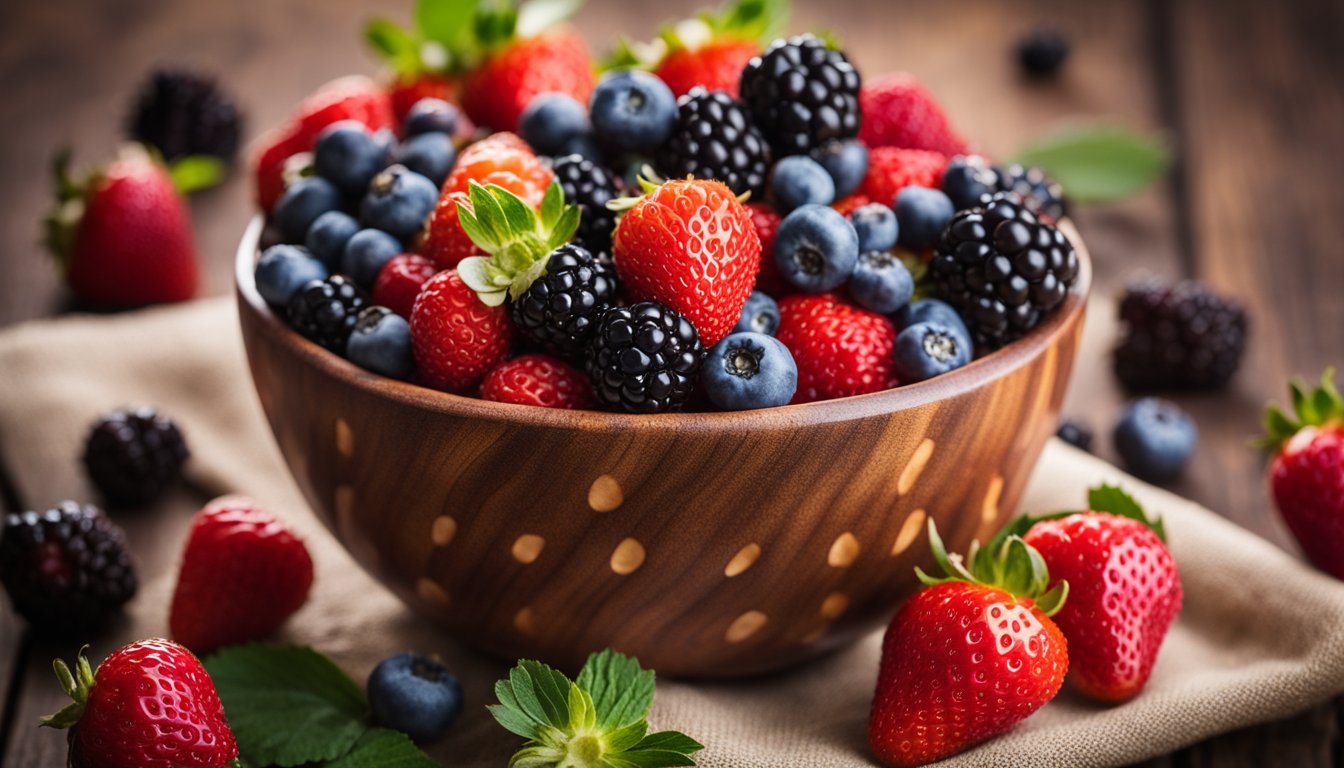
x=1261, y=636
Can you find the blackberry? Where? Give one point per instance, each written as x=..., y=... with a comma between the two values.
x=133, y=456
x=715, y=139
x=589, y=186
x=1042, y=52
x=1180, y=336
x=801, y=95
x=185, y=113
x=970, y=181
x=67, y=570
x=325, y=310
x=1075, y=433
x=644, y=358
x=1002, y=269
x=560, y=310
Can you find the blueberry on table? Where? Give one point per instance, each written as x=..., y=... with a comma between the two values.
x=881, y=282
x=430, y=116
x=430, y=154
x=876, y=226
x=367, y=251
x=302, y=203
x=348, y=155
x=925, y=350
x=415, y=695
x=1155, y=438
x=632, y=111
x=551, y=121
x=381, y=342
x=749, y=370
x=922, y=213
x=398, y=201
x=283, y=269
x=1075, y=433
x=816, y=248
x=760, y=314
x=1042, y=52
x=799, y=180
x=328, y=235
x=847, y=162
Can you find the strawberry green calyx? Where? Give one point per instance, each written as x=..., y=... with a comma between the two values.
x=77, y=684
x=60, y=226
x=440, y=31
x=1318, y=407
x=1010, y=564
x=519, y=241
x=596, y=721
x=740, y=20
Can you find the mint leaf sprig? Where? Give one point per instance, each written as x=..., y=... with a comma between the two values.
x=596, y=721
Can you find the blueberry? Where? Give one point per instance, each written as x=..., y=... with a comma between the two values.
x=925, y=350
x=932, y=311
x=881, y=282
x=632, y=110
x=414, y=695
x=283, y=269
x=876, y=226
x=759, y=315
x=1075, y=433
x=430, y=116
x=398, y=201
x=922, y=214
x=328, y=235
x=302, y=203
x=799, y=180
x=551, y=121
x=846, y=161
x=1155, y=438
x=348, y=155
x=816, y=248
x=749, y=370
x=366, y=253
x=381, y=342
x=429, y=154
x=968, y=179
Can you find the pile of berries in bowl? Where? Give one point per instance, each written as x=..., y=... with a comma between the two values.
x=678, y=360
x=641, y=251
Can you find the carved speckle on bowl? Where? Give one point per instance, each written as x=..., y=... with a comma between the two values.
x=910, y=531
x=744, y=626
x=605, y=494
x=844, y=551
x=744, y=559
x=527, y=548
x=627, y=557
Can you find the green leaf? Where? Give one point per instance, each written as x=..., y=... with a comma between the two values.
x=536, y=16
x=288, y=706
x=445, y=22
x=1098, y=162
x=1113, y=499
x=393, y=44
x=383, y=748
x=622, y=692
x=665, y=748
x=194, y=173
x=760, y=20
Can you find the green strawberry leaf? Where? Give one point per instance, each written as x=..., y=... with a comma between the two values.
x=383, y=748
x=760, y=20
x=622, y=692
x=445, y=22
x=194, y=173
x=1098, y=162
x=399, y=48
x=1113, y=499
x=1320, y=406
x=1008, y=563
x=518, y=240
x=288, y=706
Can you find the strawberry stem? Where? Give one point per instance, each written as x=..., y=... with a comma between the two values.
x=1010, y=564
x=77, y=685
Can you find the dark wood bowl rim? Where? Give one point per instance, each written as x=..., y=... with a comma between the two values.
x=970, y=377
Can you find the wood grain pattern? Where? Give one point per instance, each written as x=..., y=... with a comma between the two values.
x=564, y=523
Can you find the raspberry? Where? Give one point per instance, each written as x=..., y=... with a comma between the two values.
x=400, y=281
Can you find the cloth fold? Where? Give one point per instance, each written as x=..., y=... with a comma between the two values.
x=1261, y=635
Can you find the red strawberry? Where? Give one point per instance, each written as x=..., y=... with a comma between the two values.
x=840, y=350
x=400, y=281
x=495, y=93
x=1124, y=592
x=275, y=149
x=691, y=246
x=243, y=574
x=444, y=242
x=717, y=65
x=766, y=221
x=899, y=112
x=149, y=705
x=538, y=380
x=891, y=169
x=457, y=339
x=503, y=159
x=846, y=205
x=969, y=657
x=1307, y=473
x=406, y=90
x=123, y=236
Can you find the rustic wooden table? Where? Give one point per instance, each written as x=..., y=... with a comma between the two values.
x=1247, y=93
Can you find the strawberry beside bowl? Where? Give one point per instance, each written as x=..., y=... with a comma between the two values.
x=705, y=544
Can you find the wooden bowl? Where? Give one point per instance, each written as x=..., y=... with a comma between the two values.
x=705, y=544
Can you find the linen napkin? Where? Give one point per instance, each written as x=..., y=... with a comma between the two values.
x=1261, y=635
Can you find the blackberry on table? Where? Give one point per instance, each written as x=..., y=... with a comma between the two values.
x=1075, y=433
x=67, y=570
x=325, y=311
x=182, y=113
x=561, y=309
x=970, y=181
x=589, y=186
x=715, y=139
x=1180, y=336
x=132, y=456
x=1042, y=52
x=644, y=358
x=802, y=94
x=1002, y=269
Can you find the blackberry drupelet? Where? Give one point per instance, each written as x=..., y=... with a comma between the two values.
x=1002, y=269
x=561, y=309
x=133, y=456
x=1042, y=52
x=185, y=113
x=644, y=358
x=589, y=186
x=801, y=95
x=1180, y=336
x=970, y=180
x=67, y=570
x=325, y=311
x=715, y=139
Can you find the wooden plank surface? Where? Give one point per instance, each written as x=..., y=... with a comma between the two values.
x=1247, y=91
